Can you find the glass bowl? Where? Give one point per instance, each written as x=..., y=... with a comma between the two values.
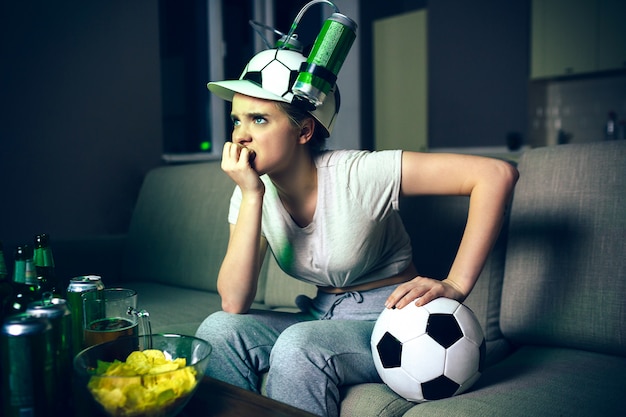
x=142, y=376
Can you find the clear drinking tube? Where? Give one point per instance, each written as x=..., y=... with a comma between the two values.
x=257, y=26
x=303, y=11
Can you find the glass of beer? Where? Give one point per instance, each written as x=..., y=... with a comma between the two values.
x=112, y=313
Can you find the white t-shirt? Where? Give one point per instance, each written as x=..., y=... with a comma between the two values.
x=356, y=235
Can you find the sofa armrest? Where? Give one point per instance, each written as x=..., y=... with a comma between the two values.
x=93, y=255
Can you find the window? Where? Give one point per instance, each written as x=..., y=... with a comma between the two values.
x=185, y=68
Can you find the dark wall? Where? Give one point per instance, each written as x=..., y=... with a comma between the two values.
x=478, y=70
x=478, y=59
x=80, y=117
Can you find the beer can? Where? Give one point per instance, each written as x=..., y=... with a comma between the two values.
x=77, y=287
x=319, y=74
x=27, y=366
x=58, y=314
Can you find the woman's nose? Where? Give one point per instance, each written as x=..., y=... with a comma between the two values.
x=241, y=135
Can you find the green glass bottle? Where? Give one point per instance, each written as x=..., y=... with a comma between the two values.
x=6, y=289
x=44, y=266
x=25, y=286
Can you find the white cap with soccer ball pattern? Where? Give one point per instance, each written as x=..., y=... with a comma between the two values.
x=270, y=75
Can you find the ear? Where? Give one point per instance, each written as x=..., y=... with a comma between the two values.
x=307, y=130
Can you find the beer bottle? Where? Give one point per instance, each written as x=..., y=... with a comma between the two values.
x=44, y=267
x=25, y=286
x=6, y=289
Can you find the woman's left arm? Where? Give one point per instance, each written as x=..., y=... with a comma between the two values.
x=489, y=183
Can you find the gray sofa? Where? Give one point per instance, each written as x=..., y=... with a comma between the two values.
x=551, y=299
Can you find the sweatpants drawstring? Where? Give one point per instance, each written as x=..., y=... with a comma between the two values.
x=339, y=298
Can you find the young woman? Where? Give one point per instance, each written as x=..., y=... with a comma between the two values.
x=330, y=218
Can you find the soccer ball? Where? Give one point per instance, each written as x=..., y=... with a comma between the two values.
x=275, y=70
x=428, y=353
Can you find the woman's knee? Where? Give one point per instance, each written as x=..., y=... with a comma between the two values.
x=299, y=343
x=299, y=335
x=219, y=325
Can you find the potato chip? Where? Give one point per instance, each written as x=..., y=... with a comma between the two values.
x=148, y=382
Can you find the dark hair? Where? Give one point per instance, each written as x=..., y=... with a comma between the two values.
x=297, y=116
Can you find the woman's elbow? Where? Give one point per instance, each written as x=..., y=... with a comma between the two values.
x=235, y=303
x=234, y=307
x=506, y=174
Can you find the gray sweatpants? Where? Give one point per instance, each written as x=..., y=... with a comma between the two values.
x=307, y=355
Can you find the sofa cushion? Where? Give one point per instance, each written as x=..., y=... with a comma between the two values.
x=565, y=274
x=372, y=400
x=179, y=229
x=436, y=225
x=536, y=381
x=174, y=309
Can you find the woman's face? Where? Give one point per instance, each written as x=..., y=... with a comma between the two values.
x=262, y=127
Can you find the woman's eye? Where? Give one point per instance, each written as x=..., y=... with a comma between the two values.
x=259, y=120
x=236, y=122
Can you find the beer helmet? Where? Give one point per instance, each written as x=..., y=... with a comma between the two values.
x=270, y=75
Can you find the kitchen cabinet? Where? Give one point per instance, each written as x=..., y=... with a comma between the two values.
x=570, y=37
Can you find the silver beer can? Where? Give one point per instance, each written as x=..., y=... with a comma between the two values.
x=78, y=286
x=27, y=366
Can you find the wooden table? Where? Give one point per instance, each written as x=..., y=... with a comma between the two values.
x=218, y=399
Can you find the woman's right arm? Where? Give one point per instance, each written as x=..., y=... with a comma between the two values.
x=239, y=273
x=238, y=276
